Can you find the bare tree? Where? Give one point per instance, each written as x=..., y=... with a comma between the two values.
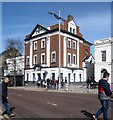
x=15, y=48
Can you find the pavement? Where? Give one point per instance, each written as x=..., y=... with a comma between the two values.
x=66, y=89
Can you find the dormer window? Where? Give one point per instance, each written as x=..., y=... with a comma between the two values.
x=73, y=31
x=70, y=29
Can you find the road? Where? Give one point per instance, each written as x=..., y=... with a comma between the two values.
x=43, y=104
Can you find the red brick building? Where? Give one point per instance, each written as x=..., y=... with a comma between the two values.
x=42, y=50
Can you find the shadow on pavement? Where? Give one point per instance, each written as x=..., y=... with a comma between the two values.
x=87, y=114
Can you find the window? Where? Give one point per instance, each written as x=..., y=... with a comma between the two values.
x=53, y=76
x=27, y=77
x=43, y=43
x=70, y=29
x=69, y=77
x=69, y=43
x=35, y=45
x=74, y=45
x=103, y=56
x=43, y=58
x=74, y=76
x=73, y=31
x=27, y=60
x=35, y=59
x=34, y=77
x=80, y=77
x=74, y=59
x=69, y=58
x=53, y=57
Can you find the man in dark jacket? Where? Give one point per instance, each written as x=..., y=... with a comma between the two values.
x=5, y=96
x=104, y=93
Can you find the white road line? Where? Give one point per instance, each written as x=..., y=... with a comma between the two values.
x=49, y=103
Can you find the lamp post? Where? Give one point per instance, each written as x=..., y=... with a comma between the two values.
x=59, y=19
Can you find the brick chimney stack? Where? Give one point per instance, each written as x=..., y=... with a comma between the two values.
x=70, y=18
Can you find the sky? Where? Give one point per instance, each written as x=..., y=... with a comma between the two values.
x=19, y=18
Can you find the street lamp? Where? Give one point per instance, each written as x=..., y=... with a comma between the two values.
x=59, y=19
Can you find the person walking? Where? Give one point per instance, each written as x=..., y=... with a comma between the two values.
x=5, y=97
x=104, y=93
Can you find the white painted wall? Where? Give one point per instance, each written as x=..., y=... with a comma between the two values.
x=101, y=45
x=72, y=25
x=65, y=72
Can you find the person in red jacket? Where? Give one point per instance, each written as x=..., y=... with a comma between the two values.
x=104, y=93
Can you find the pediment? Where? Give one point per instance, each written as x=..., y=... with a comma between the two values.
x=38, y=30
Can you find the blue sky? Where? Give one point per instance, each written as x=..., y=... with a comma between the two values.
x=19, y=18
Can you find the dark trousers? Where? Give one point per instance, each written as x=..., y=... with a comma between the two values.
x=7, y=107
x=104, y=109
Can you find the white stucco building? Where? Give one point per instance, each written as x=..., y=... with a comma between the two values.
x=19, y=65
x=104, y=58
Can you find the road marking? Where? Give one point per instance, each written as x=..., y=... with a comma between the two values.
x=49, y=103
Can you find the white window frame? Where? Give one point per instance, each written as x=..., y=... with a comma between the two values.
x=71, y=29
x=35, y=47
x=53, y=61
x=42, y=46
x=69, y=54
x=74, y=42
x=75, y=59
x=104, y=56
x=34, y=59
x=27, y=61
x=44, y=58
x=69, y=40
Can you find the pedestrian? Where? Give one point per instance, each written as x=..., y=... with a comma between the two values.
x=88, y=82
x=104, y=93
x=48, y=83
x=5, y=97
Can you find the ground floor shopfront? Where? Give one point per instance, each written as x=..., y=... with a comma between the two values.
x=66, y=74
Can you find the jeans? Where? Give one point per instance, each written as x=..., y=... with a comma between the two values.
x=104, y=109
x=7, y=107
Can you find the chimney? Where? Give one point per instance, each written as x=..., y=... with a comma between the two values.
x=70, y=18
